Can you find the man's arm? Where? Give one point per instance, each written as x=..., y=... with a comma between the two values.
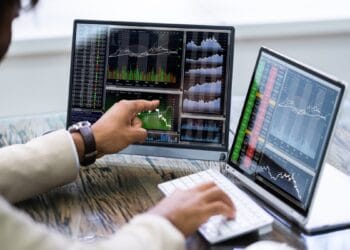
x=18, y=231
x=163, y=227
x=118, y=127
x=37, y=166
x=52, y=160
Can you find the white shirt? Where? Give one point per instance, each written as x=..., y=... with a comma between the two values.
x=50, y=161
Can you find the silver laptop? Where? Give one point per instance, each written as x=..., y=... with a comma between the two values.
x=282, y=138
x=281, y=142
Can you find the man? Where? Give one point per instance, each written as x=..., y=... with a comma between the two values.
x=53, y=160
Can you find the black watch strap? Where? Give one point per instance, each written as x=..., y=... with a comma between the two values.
x=89, y=146
x=90, y=153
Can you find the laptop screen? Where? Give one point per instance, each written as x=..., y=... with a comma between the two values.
x=187, y=67
x=285, y=127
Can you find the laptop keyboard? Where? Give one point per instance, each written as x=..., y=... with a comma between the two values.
x=249, y=216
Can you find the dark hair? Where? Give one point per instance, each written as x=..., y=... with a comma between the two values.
x=32, y=4
x=10, y=3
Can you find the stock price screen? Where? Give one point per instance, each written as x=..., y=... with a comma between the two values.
x=283, y=130
x=186, y=69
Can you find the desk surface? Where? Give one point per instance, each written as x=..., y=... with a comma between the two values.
x=110, y=192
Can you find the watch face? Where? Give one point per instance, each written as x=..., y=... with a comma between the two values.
x=75, y=127
x=84, y=124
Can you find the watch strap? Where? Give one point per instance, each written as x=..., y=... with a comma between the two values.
x=89, y=145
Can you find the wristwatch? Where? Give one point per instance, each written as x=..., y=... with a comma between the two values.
x=90, y=153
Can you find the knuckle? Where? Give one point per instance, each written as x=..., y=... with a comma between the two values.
x=219, y=208
x=123, y=102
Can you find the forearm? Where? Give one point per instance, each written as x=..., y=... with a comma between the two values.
x=144, y=232
x=37, y=166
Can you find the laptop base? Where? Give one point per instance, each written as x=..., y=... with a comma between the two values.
x=330, y=210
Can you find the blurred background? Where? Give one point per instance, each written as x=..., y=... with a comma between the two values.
x=35, y=75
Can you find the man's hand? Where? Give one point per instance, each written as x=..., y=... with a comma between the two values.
x=120, y=126
x=187, y=210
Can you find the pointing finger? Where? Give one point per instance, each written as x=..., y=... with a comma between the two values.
x=143, y=105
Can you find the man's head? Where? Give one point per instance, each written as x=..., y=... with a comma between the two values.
x=9, y=10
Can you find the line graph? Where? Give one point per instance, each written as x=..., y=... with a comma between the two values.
x=145, y=58
x=214, y=59
x=153, y=51
x=209, y=88
x=301, y=117
x=209, y=43
x=202, y=106
x=216, y=71
x=161, y=118
x=283, y=176
x=310, y=111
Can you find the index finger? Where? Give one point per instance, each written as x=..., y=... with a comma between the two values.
x=204, y=186
x=144, y=105
x=217, y=194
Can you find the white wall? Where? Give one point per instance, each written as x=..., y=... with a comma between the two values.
x=322, y=45
x=34, y=84
x=55, y=17
x=34, y=77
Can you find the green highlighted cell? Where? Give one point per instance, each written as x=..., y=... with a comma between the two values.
x=247, y=112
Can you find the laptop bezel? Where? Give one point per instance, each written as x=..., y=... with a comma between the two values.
x=182, y=151
x=270, y=198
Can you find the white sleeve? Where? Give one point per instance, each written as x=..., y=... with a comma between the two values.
x=35, y=167
x=146, y=232
x=18, y=231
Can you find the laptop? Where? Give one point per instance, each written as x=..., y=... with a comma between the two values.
x=279, y=149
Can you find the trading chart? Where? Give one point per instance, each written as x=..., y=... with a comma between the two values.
x=282, y=173
x=283, y=128
x=301, y=117
x=205, y=68
x=163, y=118
x=145, y=58
x=200, y=130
